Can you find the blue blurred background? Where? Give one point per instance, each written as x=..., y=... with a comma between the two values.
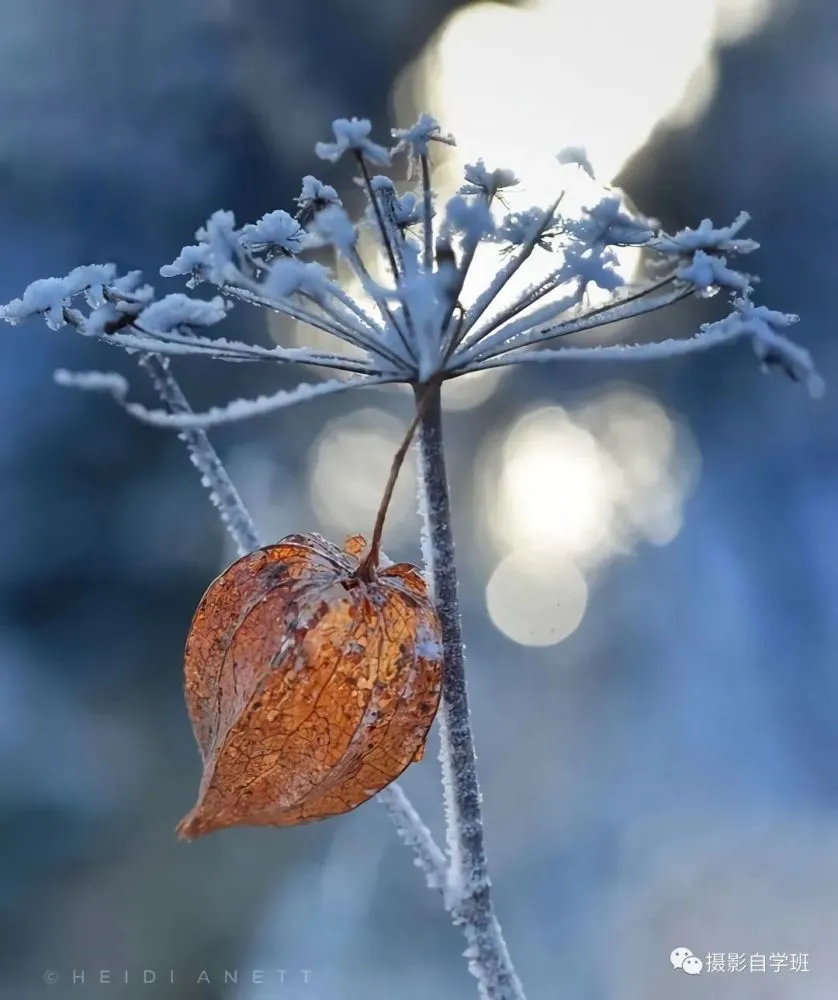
x=648, y=556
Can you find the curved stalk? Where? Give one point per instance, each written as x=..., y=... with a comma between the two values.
x=369, y=564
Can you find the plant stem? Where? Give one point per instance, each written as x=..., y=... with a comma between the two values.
x=415, y=835
x=369, y=564
x=468, y=895
x=379, y=217
x=205, y=458
x=427, y=215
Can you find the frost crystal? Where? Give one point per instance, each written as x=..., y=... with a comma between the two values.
x=193, y=261
x=352, y=134
x=276, y=232
x=110, y=382
x=706, y=272
x=178, y=310
x=418, y=137
x=482, y=181
x=289, y=277
x=334, y=226
x=576, y=156
x=314, y=197
x=707, y=237
x=49, y=297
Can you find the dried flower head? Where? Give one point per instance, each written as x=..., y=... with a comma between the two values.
x=414, y=326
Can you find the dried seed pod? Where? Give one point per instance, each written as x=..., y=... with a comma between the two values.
x=310, y=685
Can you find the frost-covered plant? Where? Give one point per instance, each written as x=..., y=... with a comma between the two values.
x=415, y=326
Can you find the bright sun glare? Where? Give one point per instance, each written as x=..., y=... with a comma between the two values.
x=515, y=84
x=565, y=492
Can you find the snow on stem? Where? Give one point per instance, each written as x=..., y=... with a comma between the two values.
x=205, y=458
x=468, y=889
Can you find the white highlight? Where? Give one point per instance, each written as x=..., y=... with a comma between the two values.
x=536, y=600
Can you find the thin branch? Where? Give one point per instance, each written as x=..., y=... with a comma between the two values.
x=653, y=351
x=528, y=324
x=415, y=835
x=242, y=409
x=360, y=337
x=469, y=889
x=427, y=214
x=612, y=312
x=483, y=344
x=345, y=330
x=508, y=271
x=468, y=251
x=370, y=562
x=232, y=351
x=378, y=295
x=493, y=331
x=239, y=409
x=379, y=215
x=349, y=303
x=391, y=255
x=387, y=200
x=771, y=347
x=223, y=493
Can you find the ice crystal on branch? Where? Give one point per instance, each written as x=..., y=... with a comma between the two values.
x=416, y=139
x=352, y=135
x=314, y=197
x=413, y=325
x=275, y=233
x=576, y=156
